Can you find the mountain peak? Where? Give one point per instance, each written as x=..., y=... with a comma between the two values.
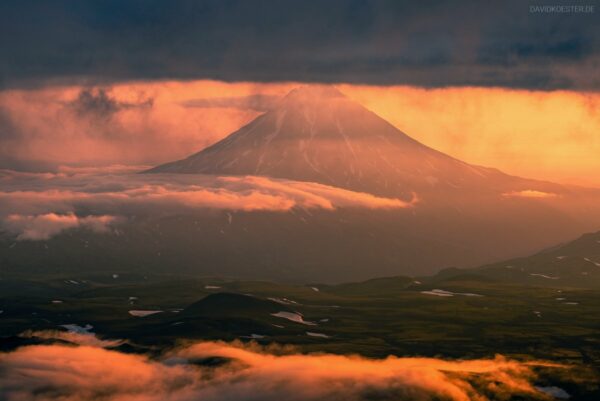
x=318, y=134
x=314, y=92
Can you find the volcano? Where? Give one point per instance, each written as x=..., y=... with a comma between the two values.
x=462, y=215
x=315, y=133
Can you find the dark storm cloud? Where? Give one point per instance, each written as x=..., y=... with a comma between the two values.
x=98, y=103
x=423, y=43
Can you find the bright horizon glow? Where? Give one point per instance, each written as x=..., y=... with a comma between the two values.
x=545, y=135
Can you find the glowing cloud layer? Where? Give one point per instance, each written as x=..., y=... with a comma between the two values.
x=251, y=373
x=530, y=193
x=38, y=206
x=44, y=226
x=545, y=135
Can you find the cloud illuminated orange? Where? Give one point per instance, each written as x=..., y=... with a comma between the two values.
x=39, y=206
x=545, y=135
x=529, y=193
x=252, y=373
x=44, y=226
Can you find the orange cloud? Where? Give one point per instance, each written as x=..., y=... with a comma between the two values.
x=529, y=193
x=67, y=373
x=44, y=226
x=535, y=134
x=323, y=196
x=546, y=135
x=45, y=127
x=39, y=206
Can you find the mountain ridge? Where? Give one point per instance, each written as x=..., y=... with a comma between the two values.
x=318, y=134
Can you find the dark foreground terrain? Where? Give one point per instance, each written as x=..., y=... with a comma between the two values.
x=545, y=307
x=466, y=315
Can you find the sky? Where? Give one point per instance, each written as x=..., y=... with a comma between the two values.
x=426, y=43
x=503, y=85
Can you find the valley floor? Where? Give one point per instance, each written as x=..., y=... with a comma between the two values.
x=464, y=317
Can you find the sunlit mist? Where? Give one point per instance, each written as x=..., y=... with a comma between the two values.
x=545, y=135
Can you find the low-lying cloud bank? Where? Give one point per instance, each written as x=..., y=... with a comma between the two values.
x=44, y=226
x=250, y=373
x=80, y=337
x=530, y=193
x=38, y=206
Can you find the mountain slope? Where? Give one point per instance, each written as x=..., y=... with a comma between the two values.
x=464, y=215
x=317, y=134
x=575, y=263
